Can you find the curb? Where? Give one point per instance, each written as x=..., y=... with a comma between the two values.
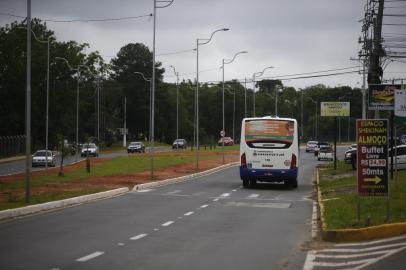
x=11, y=159
x=362, y=234
x=182, y=178
x=33, y=209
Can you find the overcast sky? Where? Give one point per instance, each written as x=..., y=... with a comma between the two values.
x=293, y=36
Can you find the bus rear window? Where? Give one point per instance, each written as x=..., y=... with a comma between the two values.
x=269, y=134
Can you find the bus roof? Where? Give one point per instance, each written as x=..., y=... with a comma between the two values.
x=270, y=117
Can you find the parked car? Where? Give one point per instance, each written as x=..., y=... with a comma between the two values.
x=351, y=157
x=325, y=153
x=40, y=158
x=318, y=146
x=89, y=149
x=179, y=143
x=136, y=147
x=227, y=141
x=348, y=154
x=310, y=146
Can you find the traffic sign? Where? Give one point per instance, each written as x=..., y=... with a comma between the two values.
x=372, y=157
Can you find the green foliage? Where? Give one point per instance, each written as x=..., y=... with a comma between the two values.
x=117, y=81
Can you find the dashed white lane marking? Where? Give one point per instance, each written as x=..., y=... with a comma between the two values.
x=253, y=196
x=144, y=190
x=234, y=190
x=156, y=229
x=138, y=237
x=166, y=224
x=225, y=195
x=216, y=199
x=120, y=244
x=189, y=213
x=90, y=256
x=174, y=192
x=204, y=206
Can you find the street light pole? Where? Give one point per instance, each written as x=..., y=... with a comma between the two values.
x=165, y=3
x=256, y=75
x=28, y=109
x=315, y=102
x=177, y=101
x=225, y=62
x=200, y=42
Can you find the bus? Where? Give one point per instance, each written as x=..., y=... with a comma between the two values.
x=269, y=151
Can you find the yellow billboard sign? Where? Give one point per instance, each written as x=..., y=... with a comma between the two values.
x=335, y=109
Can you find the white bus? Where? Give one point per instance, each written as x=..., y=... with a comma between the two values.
x=269, y=151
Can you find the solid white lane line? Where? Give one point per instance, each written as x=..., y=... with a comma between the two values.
x=253, y=196
x=167, y=223
x=137, y=237
x=204, y=206
x=90, y=256
x=174, y=192
x=372, y=242
x=189, y=213
x=333, y=256
x=347, y=250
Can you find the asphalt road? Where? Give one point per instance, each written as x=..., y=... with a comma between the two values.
x=18, y=166
x=207, y=223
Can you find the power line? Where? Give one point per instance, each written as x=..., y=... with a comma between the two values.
x=83, y=20
x=177, y=52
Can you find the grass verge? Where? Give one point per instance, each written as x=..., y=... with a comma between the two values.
x=104, y=175
x=339, y=197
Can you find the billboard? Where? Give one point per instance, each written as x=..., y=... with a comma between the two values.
x=372, y=157
x=335, y=109
x=282, y=130
x=400, y=106
x=382, y=96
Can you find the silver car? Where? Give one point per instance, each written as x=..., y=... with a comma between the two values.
x=89, y=149
x=41, y=157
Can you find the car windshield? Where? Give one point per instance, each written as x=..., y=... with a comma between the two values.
x=326, y=150
x=89, y=145
x=135, y=143
x=42, y=153
x=312, y=142
x=178, y=141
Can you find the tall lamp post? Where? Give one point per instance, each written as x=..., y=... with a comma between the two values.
x=77, y=93
x=315, y=102
x=177, y=101
x=164, y=4
x=225, y=62
x=200, y=41
x=28, y=109
x=256, y=75
x=47, y=91
x=339, y=120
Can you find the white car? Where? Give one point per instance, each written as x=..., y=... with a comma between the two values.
x=40, y=157
x=89, y=149
x=325, y=153
x=310, y=146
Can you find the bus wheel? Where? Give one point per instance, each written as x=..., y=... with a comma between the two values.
x=253, y=182
x=245, y=182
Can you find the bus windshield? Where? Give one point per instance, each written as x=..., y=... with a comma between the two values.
x=269, y=133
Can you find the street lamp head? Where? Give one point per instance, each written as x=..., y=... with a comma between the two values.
x=225, y=29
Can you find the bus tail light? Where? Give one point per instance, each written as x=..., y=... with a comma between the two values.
x=243, y=160
x=293, y=162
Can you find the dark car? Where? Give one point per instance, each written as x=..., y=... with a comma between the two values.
x=136, y=147
x=179, y=144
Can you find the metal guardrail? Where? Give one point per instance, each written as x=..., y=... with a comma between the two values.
x=12, y=145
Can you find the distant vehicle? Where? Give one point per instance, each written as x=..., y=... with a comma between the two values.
x=352, y=146
x=89, y=149
x=348, y=154
x=40, y=158
x=320, y=144
x=179, y=143
x=136, y=147
x=402, y=139
x=269, y=151
x=400, y=161
x=325, y=153
x=310, y=145
x=227, y=141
